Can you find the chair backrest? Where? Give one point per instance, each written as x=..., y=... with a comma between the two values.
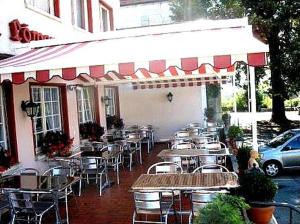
x=211, y=168
x=200, y=198
x=183, y=146
x=147, y=202
x=182, y=134
x=165, y=167
x=213, y=146
x=86, y=148
x=26, y=171
x=133, y=135
x=59, y=171
x=92, y=163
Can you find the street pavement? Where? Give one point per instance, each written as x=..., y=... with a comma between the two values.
x=289, y=192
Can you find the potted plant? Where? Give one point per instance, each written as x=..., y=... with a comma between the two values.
x=223, y=209
x=257, y=187
x=114, y=122
x=243, y=156
x=91, y=131
x=56, y=143
x=234, y=133
x=226, y=119
x=209, y=114
x=118, y=123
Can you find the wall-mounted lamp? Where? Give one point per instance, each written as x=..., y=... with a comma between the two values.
x=105, y=100
x=170, y=97
x=73, y=87
x=30, y=108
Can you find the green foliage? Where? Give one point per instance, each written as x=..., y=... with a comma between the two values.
x=91, y=131
x=224, y=209
x=226, y=118
x=183, y=10
x=209, y=113
x=56, y=143
x=213, y=90
x=243, y=156
x=114, y=121
x=242, y=101
x=256, y=186
x=227, y=104
x=234, y=132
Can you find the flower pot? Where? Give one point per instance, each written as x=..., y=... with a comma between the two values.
x=260, y=215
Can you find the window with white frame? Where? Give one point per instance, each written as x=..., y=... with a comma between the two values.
x=43, y=5
x=104, y=18
x=85, y=102
x=79, y=13
x=49, y=114
x=3, y=135
x=110, y=107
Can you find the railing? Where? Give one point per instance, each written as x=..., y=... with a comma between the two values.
x=291, y=208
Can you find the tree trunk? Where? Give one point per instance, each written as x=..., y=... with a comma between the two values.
x=278, y=90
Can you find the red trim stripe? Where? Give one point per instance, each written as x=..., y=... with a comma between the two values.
x=173, y=71
x=157, y=66
x=72, y=47
x=42, y=76
x=56, y=8
x=126, y=68
x=96, y=71
x=90, y=16
x=145, y=73
x=18, y=77
x=202, y=69
x=256, y=59
x=11, y=59
x=189, y=64
x=69, y=73
x=222, y=61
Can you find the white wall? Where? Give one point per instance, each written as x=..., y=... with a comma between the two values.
x=59, y=28
x=131, y=16
x=150, y=106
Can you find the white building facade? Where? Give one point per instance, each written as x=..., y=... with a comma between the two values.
x=141, y=13
x=25, y=22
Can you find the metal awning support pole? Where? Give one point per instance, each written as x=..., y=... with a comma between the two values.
x=253, y=106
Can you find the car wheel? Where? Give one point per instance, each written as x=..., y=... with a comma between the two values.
x=272, y=169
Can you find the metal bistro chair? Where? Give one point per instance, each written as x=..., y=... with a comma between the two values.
x=167, y=168
x=113, y=154
x=25, y=207
x=26, y=171
x=134, y=142
x=211, y=168
x=146, y=138
x=185, y=162
x=95, y=167
x=150, y=203
x=4, y=204
x=199, y=199
x=214, y=148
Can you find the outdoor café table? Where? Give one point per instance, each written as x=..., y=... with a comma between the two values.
x=54, y=184
x=189, y=153
x=185, y=181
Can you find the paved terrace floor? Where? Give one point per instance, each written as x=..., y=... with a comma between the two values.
x=116, y=204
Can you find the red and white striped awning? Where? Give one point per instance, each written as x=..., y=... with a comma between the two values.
x=180, y=54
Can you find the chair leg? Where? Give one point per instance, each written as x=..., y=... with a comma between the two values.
x=130, y=162
x=100, y=184
x=148, y=146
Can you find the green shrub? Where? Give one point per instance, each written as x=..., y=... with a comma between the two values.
x=234, y=132
x=91, y=131
x=225, y=209
x=256, y=186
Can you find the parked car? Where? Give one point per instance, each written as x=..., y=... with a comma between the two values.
x=282, y=152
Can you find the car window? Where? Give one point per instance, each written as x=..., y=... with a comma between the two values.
x=295, y=143
x=280, y=139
